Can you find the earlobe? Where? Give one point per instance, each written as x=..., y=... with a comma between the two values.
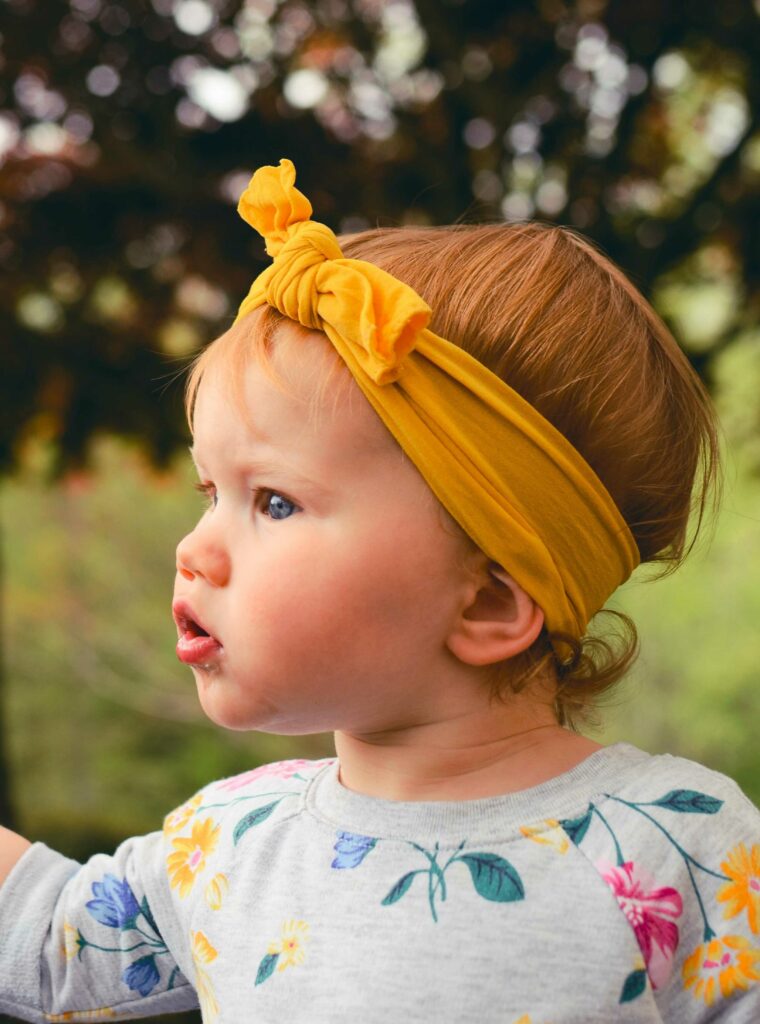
x=499, y=623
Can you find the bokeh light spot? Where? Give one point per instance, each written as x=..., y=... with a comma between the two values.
x=479, y=133
x=219, y=93
x=103, y=80
x=194, y=17
x=305, y=88
x=40, y=312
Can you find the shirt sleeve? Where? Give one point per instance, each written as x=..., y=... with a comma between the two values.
x=679, y=850
x=94, y=940
x=717, y=975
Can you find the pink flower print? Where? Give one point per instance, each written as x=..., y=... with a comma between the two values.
x=279, y=770
x=651, y=913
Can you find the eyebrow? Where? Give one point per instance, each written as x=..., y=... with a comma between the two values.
x=262, y=465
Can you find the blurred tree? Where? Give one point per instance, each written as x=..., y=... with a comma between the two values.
x=128, y=129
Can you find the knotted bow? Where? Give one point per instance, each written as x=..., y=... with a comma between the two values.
x=310, y=280
x=511, y=480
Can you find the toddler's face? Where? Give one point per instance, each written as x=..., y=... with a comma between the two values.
x=321, y=571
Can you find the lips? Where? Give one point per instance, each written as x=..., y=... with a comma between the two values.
x=195, y=645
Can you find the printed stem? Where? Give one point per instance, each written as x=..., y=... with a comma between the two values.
x=237, y=800
x=620, y=857
x=439, y=882
x=455, y=854
x=118, y=949
x=172, y=977
x=708, y=933
x=442, y=871
x=150, y=938
x=436, y=880
x=422, y=850
x=431, y=896
x=686, y=856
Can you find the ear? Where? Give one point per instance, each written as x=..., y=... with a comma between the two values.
x=500, y=622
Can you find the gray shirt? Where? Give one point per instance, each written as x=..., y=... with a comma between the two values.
x=625, y=890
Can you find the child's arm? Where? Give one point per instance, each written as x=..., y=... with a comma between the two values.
x=679, y=848
x=12, y=846
x=90, y=940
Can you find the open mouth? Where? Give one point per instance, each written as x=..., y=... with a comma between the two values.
x=190, y=629
x=195, y=646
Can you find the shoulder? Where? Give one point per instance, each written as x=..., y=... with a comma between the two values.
x=669, y=799
x=201, y=835
x=216, y=796
x=678, y=845
x=658, y=771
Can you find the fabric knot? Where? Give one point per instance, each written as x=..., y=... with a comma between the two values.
x=292, y=282
x=272, y=204
x=311, y=282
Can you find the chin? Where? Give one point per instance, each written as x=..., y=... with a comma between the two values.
x=220, y=710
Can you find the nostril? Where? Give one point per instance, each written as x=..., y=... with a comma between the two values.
x=203, y=559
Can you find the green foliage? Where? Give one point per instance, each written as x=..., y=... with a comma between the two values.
x=105, y=732
x=694, y=688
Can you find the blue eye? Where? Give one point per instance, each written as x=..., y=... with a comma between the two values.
x=277, y=506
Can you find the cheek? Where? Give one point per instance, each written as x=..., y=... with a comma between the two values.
x=353, y=589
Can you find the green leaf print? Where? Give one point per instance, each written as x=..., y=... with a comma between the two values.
x=688, y=801
x=494, y=878
x=399, y=888
x=634, y=985
x=266, y=967
x=252, y=818
x=576, y=828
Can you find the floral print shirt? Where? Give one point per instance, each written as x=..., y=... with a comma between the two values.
x=625, y=890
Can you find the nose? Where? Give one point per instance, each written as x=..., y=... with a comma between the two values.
x=199, y=554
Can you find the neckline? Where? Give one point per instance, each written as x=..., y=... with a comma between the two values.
x=488, y=817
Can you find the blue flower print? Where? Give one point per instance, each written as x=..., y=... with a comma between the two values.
x=142, y=976
x=115, y=904
x=352, y=849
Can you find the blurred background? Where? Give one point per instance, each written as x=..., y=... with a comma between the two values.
x=127, y=132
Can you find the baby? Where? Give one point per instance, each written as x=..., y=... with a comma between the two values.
x=406, y=537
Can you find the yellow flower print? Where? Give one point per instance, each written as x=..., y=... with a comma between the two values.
x=547, y=833
x=202, y=950
x=743, y=891
x=290, y=946
x=178, y=818
x=720, y=967
x=190, y=853
x=204, y=953
x=72, y=943
x=216, y=890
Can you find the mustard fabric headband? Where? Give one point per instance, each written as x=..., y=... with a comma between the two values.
x=511, y=480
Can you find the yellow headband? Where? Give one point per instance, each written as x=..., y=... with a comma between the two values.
x=511, y=480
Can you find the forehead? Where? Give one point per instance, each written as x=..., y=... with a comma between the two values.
x=291, y=389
